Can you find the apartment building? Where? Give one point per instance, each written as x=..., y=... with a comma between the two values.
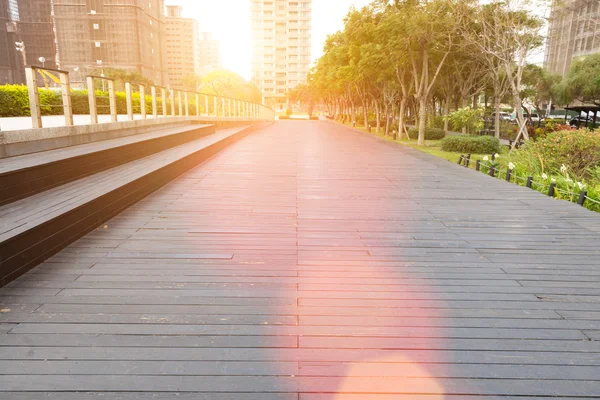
x=123, y=34
x=210, y=54
x=28, y=22
x=281, y=34
x=574, y=31
x=182, y=44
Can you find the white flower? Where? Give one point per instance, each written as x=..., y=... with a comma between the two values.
x=563, y=168
x=580, y=185
x=553, y=180
x=544, y=176
x=497, y=155
x=569, y=180
x=511, y=166
x=485, y=158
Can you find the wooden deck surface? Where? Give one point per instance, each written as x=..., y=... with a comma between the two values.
x=311, y=262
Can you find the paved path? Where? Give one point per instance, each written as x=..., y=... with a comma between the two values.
x=310, y=262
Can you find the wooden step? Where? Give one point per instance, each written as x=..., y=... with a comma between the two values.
x=34, y=228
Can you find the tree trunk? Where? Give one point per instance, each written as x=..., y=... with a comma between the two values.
x=521, y=120
x=446, y=113
x=497, y=119
x=401, y=117
x=365, y=114
x=377, y=116
x=422, y=120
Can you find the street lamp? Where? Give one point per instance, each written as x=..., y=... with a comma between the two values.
x=20, y=46
x=43, y=61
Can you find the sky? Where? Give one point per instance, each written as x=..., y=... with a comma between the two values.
x=229, y=21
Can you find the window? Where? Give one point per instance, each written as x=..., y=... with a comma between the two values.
x=97, y=44
x=93, y=12
x=96, y=26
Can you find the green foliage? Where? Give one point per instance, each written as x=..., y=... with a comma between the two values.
x=468, y=118
x=14, y=101
x=438, y=122
x=578, y=150
x=583, y=81
x=284, y=117
x=288, y=112
x=471, y=144
x=430, y=133
x=227, y=83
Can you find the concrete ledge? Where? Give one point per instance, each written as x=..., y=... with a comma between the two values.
x=27, y=141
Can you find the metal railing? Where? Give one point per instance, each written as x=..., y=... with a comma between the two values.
x=181, y=102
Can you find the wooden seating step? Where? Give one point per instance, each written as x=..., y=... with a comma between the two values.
x=26, y=175
x=34, y=228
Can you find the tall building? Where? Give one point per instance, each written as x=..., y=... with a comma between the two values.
x=281, y=33
x=182, y=44
x=123, y=34
x=210, y=54
x=36, y=30
x=11, y=60
x=574, y=31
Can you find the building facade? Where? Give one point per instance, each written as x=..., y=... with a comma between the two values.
x=574, y=31
x=121, y=34
x=26, y=35
x=182, y=44
x=281, y=33
x=210, y=54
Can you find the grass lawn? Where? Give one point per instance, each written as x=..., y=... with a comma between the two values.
x=432, y=147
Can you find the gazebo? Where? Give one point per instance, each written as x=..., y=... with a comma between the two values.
x=587, y=109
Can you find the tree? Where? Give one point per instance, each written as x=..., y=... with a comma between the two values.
x=193, y=83
x=227, y=83
x=583, y=81
x=506, y=34
x=307, y=94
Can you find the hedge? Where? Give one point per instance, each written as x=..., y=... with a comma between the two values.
x=471, y=144
x=14, y=102
x=430, y=133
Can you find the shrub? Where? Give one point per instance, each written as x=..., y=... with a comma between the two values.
x=438, y=122
x=14, y=101
x=284, y=117
x=471, y=119
x=314, y=117
x=578, y=150
x=430, y=133
x=471, y=144
x=288, y=112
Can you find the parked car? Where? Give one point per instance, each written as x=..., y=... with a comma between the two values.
x=535, y=117
x=504, y=116
x=560, y=116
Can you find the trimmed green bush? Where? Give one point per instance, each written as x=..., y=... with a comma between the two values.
x=430, y=133
x=471, y=144
x=314, y=117
x=284, y=117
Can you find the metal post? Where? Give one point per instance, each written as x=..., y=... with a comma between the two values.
x=34, y=98
x=460, y=159
x=129, y=101
x=187, y=106
x=551, y=189
x=163, y=101
x=229, y=108
x=468, y=160
x=508, y=175
x=197, y=105
x=206, y=104
x=172, y=95
x=529, y=183
x=492, y=171
x=582, y=198
x=143, y=101
x=223, y=107
x=112, y=97
x=216, y=110
x=92, y=100
x=180, y=103
x=478, y=165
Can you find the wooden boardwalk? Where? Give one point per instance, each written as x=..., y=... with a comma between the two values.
x=310, y=262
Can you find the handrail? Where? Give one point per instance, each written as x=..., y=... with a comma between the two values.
x=222, y=107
